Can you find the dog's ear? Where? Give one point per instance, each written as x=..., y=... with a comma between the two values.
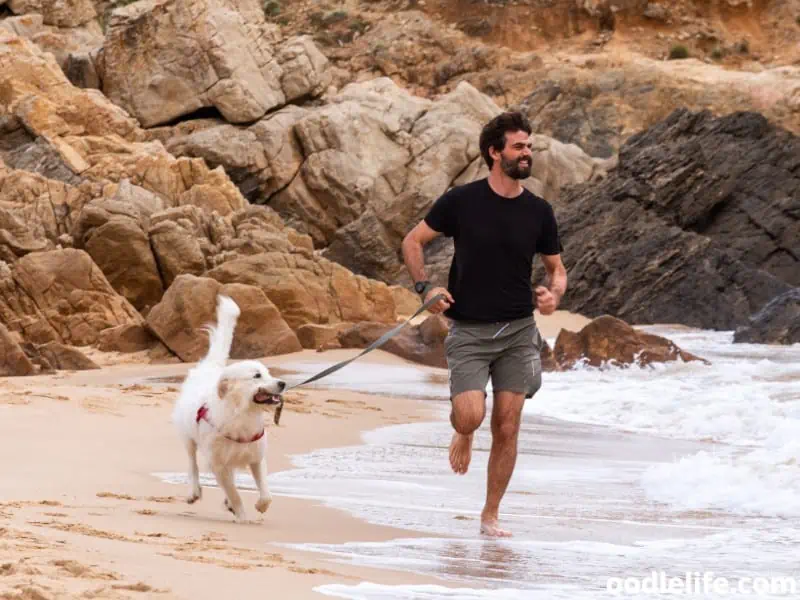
x=223, y=387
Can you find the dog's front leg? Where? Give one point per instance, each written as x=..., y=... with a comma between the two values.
x=260, y=477
x=194, y=473
x=233, y=502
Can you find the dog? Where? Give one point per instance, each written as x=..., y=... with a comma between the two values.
x=221, y=411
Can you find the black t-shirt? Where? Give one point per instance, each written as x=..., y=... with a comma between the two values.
x=495, y=239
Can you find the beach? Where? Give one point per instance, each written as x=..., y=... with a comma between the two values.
x=680, y=467
x=82, y=512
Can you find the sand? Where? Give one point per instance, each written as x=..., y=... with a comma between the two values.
x=82, y=514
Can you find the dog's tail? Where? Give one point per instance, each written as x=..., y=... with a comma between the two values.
x=221, y=335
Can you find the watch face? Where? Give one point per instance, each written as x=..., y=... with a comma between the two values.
x=419, y=286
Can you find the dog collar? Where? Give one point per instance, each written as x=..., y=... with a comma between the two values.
x=202, y=415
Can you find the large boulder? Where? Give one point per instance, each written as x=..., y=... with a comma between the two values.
x=13, y=360
x=777, y=323
x=61, y=296
x=311, y=290
x=695, y=226
x=190, y=303
x=60, y=13
x=162, y=60
x=608, y=341
x=422, y=343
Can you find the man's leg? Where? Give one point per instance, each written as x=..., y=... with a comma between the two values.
x=516, y=375
x=506, y=418
x=466, y=415
x=468, y=369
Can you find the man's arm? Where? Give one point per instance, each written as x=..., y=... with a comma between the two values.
x=548, y=297
x=556, y=280
x=413, y=255
x=414, y=258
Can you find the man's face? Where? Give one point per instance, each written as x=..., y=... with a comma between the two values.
x=515, y=159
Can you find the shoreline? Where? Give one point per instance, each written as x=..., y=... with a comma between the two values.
x=81, y=498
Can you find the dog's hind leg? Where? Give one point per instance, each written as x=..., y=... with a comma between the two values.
x=194, y=473
x=233, y=502
x=260, y=477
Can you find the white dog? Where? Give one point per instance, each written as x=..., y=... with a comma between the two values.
x=221, y=410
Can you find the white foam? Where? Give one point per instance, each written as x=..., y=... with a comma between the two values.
x=748, y=397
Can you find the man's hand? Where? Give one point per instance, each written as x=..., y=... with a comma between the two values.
x=441, y=305
x=546, y=301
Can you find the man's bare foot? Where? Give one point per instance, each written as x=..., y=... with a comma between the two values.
x=460, y=452
x=489, y=527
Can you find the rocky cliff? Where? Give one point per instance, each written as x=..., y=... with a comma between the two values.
x=698, y=224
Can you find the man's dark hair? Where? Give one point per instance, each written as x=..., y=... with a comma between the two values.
x=493, y=134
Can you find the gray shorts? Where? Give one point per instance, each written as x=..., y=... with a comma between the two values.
x=508, y=352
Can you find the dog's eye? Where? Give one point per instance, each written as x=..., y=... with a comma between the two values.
x=257, y=376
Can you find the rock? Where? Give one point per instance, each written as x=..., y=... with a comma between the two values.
x=114, y=233
x=126, y=338
x=190, y=303
x=16, y=238
x=406, y=301
x=60, y=13
x=598, y=103
x=422, y=344
x=13, y=361
x=61, y=296
x=81, y=70
x=63, y=358
x=220, y=53
x=316, y=337
x=261, y=159
x=656, y=12
x=777, y=323
x=608, y=341
x=310, y=290
x=36, y=91
x=698, y=208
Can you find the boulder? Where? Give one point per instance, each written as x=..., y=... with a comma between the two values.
x=114, y=232
x=261, y=159
x=190, y=303
x=36, y=91
x=310, y=290
x=167, y=59
x=422, y=343
x=608, y=341
x=699, y=208
x=13, y=360
x=60, y=296
x=126, y=338
x=60, y=13
x=55, y=356
x=777, y=323
x=317, y=337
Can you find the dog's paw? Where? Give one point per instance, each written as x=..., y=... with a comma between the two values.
x=263, y=504
x=228, y=506
x=195, y=496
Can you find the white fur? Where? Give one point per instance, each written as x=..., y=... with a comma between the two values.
x=229, y=392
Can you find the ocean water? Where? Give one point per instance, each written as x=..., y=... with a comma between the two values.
x=626, y=478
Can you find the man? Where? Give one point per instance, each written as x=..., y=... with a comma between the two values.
x=497, y=227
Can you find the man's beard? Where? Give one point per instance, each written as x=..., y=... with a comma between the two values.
x=513, y=169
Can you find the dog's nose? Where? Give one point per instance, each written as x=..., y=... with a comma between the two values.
x=281, y=385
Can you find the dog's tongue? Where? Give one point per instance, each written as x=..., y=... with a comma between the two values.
x=262, y=396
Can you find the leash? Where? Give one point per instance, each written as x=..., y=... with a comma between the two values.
x=373, y=346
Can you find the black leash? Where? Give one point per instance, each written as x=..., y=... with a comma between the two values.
x=374, y=345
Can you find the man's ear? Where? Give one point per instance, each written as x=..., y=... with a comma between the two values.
x=223, y=387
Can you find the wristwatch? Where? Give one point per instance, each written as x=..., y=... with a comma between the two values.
x=421, y=287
